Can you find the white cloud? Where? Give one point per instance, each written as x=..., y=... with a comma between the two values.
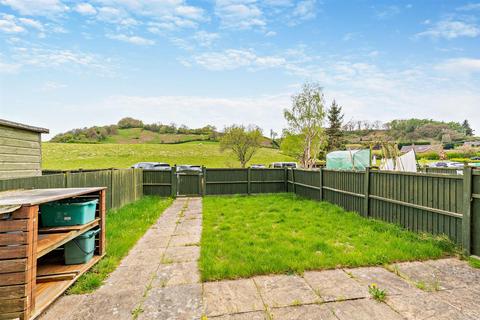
x=52, y=86
x=469, y=7
x=241, y=14
x=85, y=9
x=231, y=59
x=451, y=29
x=9, y=24
x=36, y=7
x=205, y=39
x=387, y=12
x=132, y=39
x=305, y=10
x=462, y=66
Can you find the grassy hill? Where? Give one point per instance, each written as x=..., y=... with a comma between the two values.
x=107, y=155
x=139, y=135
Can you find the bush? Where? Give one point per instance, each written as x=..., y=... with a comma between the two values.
x=428, y=156
x=128, y=122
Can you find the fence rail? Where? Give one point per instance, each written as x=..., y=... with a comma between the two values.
x=123, y=185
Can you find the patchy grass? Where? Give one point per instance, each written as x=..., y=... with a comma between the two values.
x=97, y=156
x=250, y=235
x=124, y=227
x=474, y=262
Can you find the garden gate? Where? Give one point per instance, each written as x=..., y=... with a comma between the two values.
x=189, y=183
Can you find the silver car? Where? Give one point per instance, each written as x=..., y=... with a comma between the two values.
x=161, y=166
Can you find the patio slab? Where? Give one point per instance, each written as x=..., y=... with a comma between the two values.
x=243, y=316
x=181, y=254
x=335, y=285
x=306, y=312
x=231, y=296
x=176, y=274
x=285, y=290
x=363, y=309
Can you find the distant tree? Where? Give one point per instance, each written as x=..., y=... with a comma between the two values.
x=466, y=128
x=243, y=141
x=128, y=122
x=305, y=118
x=334, y=130
x=292, y=145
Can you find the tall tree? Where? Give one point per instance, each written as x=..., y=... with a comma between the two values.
x=305, y=118
x=243, y=141
x=466, y=127
x=334, y=130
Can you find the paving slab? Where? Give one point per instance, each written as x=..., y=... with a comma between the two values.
x=181, y=302
x=457, y=273
x=285, y=290
x=143, y=256
x=363, y=309
x=188, y=229
x=335, y=285
x=384, y=279
x=425, y=305
x=185, y=240
x=305, y=312
x=175, y=274
x=181, y=254
x=466, y=300
x=259, y=315
x=64, y=306
x=231, y=296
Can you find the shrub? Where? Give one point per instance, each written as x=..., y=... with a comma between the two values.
x=428, y=156
x=128, y=122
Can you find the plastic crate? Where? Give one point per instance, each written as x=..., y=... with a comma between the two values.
x=68, y=213
x=81, y=249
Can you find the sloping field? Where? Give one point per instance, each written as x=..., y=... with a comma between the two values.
x=91, y=156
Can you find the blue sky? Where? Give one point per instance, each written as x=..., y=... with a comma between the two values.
x=66, y=64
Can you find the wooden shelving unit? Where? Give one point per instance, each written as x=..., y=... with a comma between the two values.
x=32, y=269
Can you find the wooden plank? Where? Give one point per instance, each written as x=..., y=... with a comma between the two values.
x=13, y=265
x=366, y=191
x=61, y=229
x=9, y=149
x=14, y=174
x=12, y=142
x=345, y=192
x=7, y=239
x=12, y=292
x=13, y=252
x=13, y=305
x=14, y=278
x=39, y=196
x=102, y=211
x=55, y=277
x=24, y=212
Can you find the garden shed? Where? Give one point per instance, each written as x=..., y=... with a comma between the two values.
x=20, y=150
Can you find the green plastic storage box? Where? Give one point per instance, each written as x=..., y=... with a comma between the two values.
x=68, y=212
x=81, y=249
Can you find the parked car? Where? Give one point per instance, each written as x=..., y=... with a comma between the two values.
x=283, y=165
x=438, y=165
x=455, y=165
x=188, y=168
x=257, y=166
x=475, y=158
x=152, y=166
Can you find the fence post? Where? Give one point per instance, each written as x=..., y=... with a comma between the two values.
x=467, y=210
x=294, y=187
x=366, y=191
x=286, y=179
x=204, y=181
x=134, y=178
x=173, y=181
x=65, y=182
x=248, y=181
x=112, y=194
x=320, y=184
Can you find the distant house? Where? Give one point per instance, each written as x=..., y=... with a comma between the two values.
x=20, y=150
x=421, y=148
x=471, y=144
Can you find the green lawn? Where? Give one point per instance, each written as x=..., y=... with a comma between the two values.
x=93, y=156
x=124, y=227
x=250, y=235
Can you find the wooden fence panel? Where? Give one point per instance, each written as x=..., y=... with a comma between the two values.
x=157, y=183
x=226, y=181
x=41, y=182
x=345, y=188
x=267, y=180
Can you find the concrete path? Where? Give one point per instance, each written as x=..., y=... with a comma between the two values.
x=159, y=279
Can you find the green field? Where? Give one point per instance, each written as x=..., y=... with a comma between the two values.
x=138, y=135
x=92, y=156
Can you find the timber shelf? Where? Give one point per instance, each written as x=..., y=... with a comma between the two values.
x=32, y=269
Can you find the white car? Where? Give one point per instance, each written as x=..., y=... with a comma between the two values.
x=152, y=166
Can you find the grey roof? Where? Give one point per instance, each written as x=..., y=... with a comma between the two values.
x=420, y=148
x=17, y=125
